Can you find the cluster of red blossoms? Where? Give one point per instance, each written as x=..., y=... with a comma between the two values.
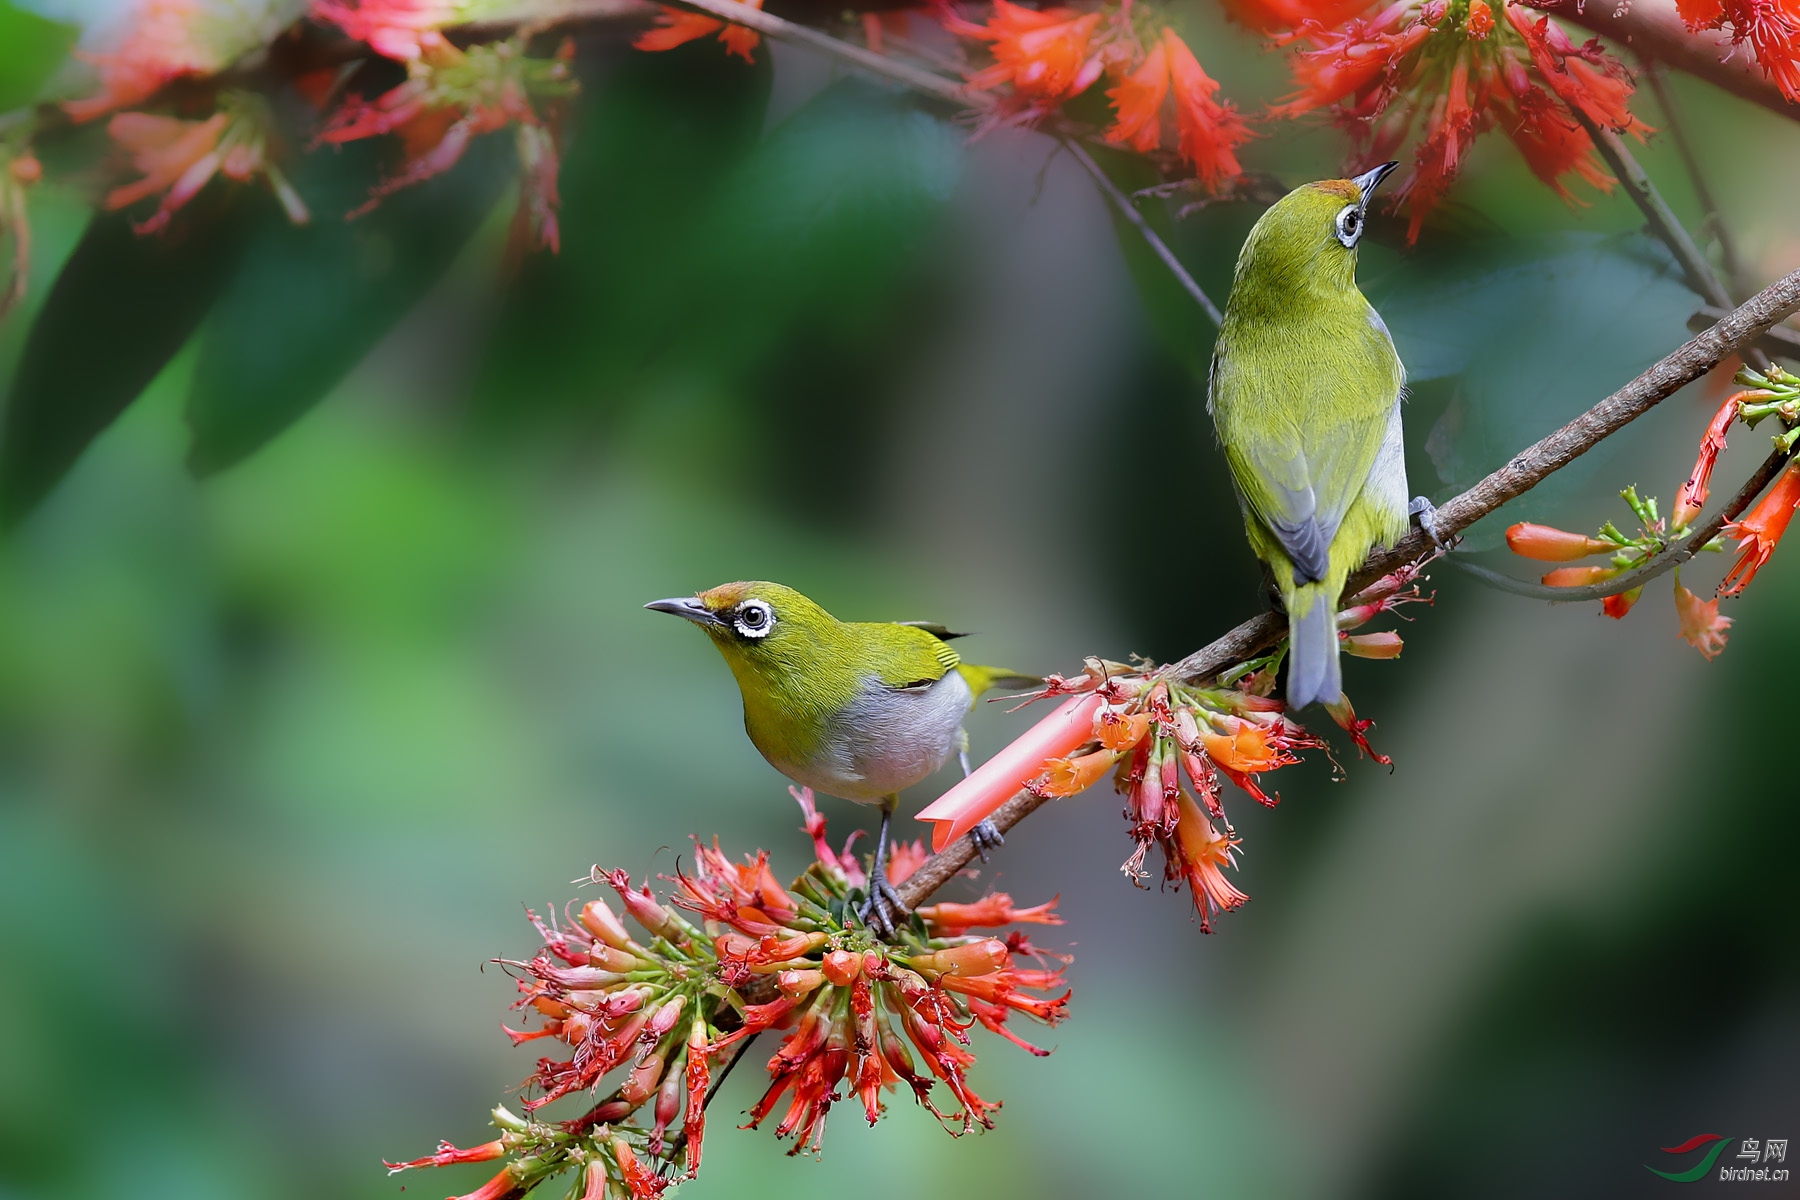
x=1161, y=96
x=1771, y=27
x=1449, y=70
x=1166, y=743
x=855, y=1014
x=1775, y=394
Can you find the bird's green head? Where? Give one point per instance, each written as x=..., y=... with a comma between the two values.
x=1306, y=241
x=759, y=627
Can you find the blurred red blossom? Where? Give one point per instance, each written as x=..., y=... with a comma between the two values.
x=1449, y=70
x=1046, y=57
x=151, y=43
x=1771, y=27
x=452, y=96
x=177, y=158
x=678, y=26
x=399, y=29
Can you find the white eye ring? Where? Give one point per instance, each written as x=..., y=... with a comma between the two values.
x=1349, y=225
x=754, y=619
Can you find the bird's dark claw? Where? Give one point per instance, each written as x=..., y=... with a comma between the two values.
x=884, y=912
x=1425, y=513
x=986, y=836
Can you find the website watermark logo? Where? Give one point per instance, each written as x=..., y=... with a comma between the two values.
x=1749, y=1165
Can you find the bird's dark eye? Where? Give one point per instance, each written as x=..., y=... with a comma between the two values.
x=754, y=619
x=1349, y=225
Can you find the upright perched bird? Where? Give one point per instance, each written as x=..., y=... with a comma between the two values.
x=1305, y=393
x=857, y=710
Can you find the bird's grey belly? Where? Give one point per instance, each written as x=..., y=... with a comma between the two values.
x=888, y=740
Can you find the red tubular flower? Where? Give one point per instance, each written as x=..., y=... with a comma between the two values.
x=453, y=96
x=1201, y=854
x=1548, y=544
x=448, y=1154
x=1043, y=55
x=1692, y=500
x=501, y=1187
x=1386, y=644
x=841, y=863
x=1772, y=27
x=995, y=781
x=1579, y=576
x=178, y=158
x=1463, y=72
x=399, y=29
x=1210, y=132
x=1761, y=529
x=676, y=27
x=1139, y=101
x=1071, y=776
x=1620, y=603
x=949, y=919
x=1701, y=625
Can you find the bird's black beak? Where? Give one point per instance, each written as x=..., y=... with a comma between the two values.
x=686, y=606
x=1371, y=179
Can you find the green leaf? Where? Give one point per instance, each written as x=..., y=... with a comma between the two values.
x=31, y=47
x=652, y=137
x=819, y=221
x=310, y=301
x=1178, y=322
x=120, y=309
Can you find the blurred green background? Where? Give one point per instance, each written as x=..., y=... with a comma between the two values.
x=284, y=751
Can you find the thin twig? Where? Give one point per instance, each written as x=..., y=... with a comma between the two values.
x=1663, y=222
x=1715, y=217
x=1125, y=208
x=1525, y=471
x=784, y=30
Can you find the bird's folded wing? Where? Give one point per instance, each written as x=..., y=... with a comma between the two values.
x=1300, y=477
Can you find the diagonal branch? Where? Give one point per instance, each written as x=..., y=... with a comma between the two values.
x=1525, y=471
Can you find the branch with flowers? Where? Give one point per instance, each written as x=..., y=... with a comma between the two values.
x=667, y=1013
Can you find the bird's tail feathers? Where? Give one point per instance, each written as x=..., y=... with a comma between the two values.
x=1313, y=671
x=984, y=679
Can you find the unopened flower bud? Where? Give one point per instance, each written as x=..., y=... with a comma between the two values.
x=642, y=1081
x=797, y=983
x=26, y=169
x=664, y=1019
x=975, y=958
x=842, y=966
x=1548, y=544
x=1578, y=576
x=1386, y=644
x=604, y=923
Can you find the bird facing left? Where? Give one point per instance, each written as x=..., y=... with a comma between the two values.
x=853, y=709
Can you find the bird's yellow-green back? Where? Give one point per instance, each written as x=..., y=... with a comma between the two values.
x=1304, y=393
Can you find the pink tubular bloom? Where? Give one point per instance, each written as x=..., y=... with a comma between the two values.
x=1386, y=644
x=995, y=781
x=1701, y=625
x=447, y=1155
x=399, y=29
x=1578, y=576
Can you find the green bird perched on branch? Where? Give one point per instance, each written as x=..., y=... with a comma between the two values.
x=1305, y=393
x=857, y=710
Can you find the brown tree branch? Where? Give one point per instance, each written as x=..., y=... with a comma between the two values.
x=1654, y=29
x=1525, y=471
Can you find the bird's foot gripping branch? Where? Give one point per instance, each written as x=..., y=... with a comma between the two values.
x=661, y=1014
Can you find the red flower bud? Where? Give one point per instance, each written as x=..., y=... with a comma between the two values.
x=1372, y=645
x=842, y=966
x=1578, y=576
x=604, y=924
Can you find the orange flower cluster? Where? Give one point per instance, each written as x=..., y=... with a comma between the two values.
x=453, y=96
x=1162, y=97
x=1166, y=744
x=1772, y=27
x=177, y=158
x=658, y=1012
x=1449, y=70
